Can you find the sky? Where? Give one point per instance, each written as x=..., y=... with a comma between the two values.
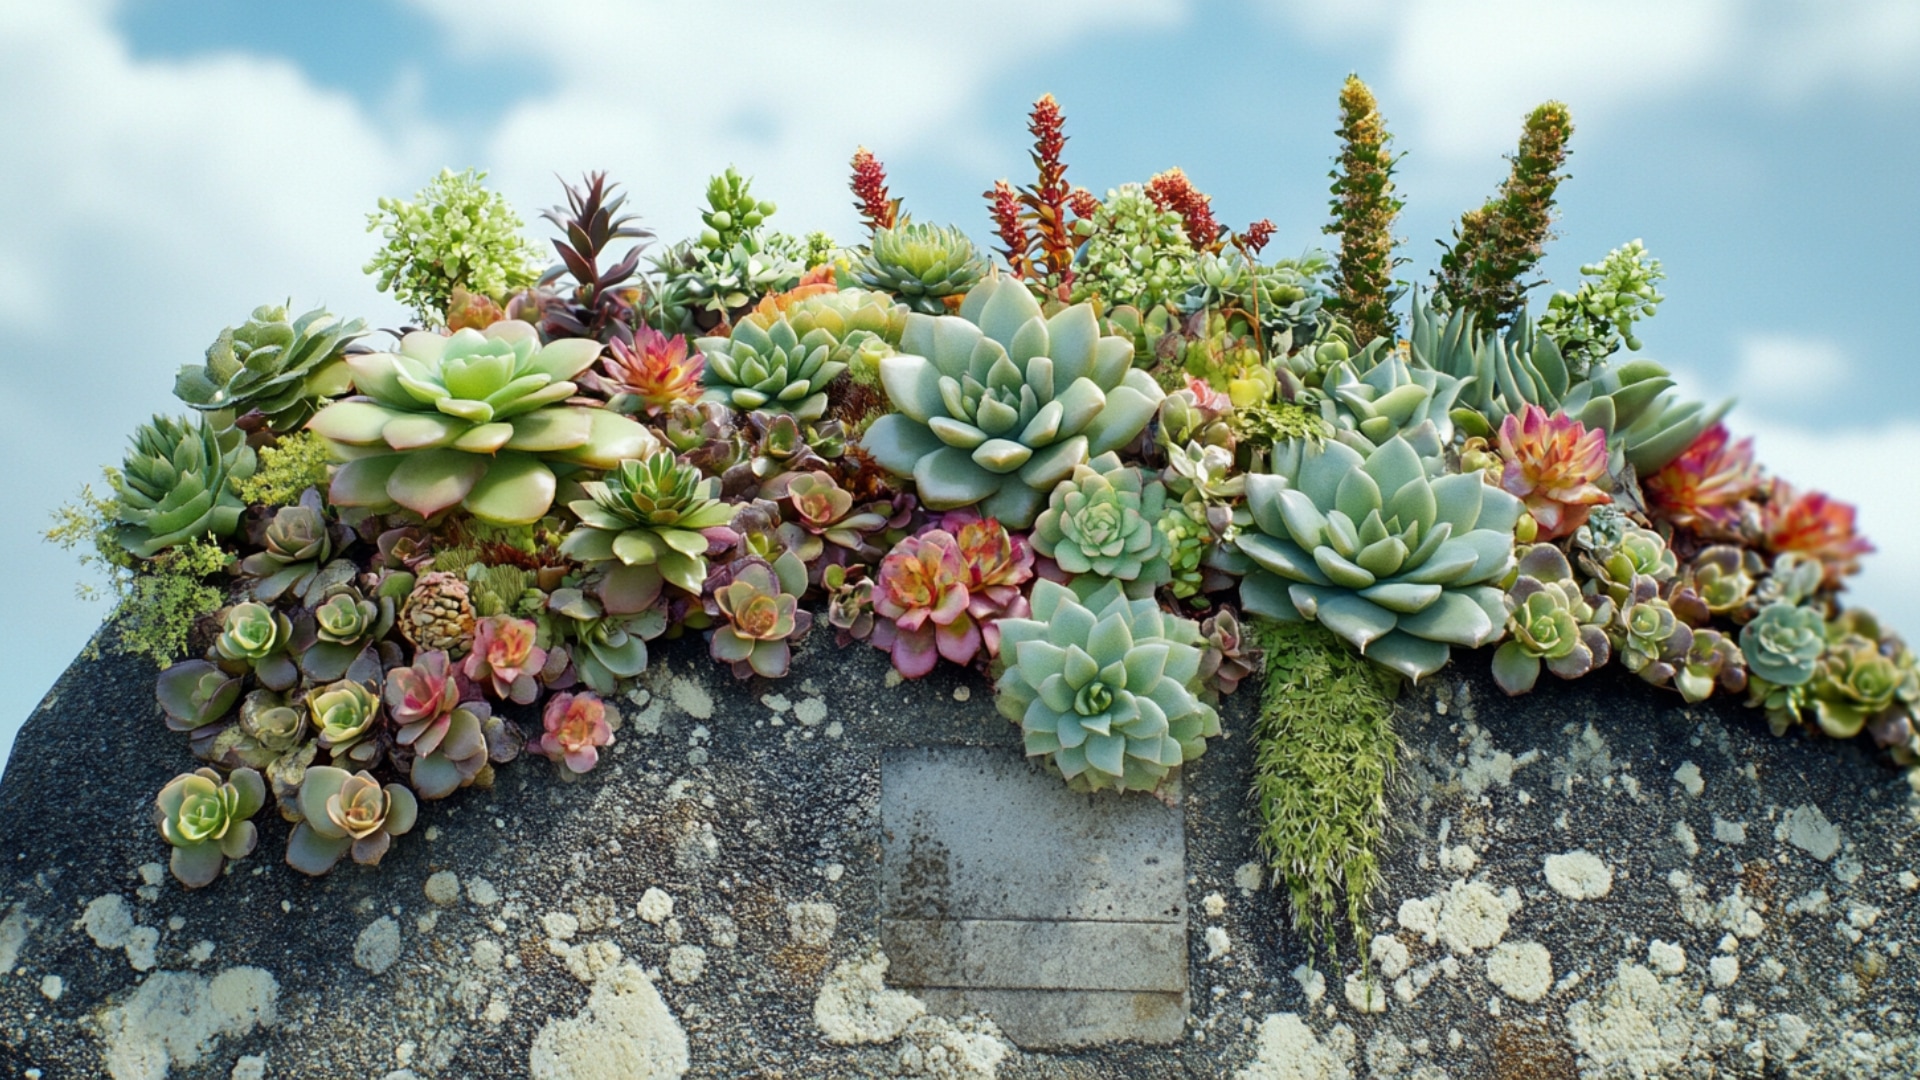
x=173, y=163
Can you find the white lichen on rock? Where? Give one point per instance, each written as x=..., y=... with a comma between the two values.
x=175, y=1018
x=855, y=1006
x=1688, y=777
x=1637, y=1025
x=378, y=946
x=811, y=925
x=1218, y=943
x=1666, y=957
x=626, y=1032
x=14, y=931
x=111, y=926
x=443, y=888
x=686, y=963
x=1579, y=875
x=1366, y=993
x=1806, y=828
x=1287, y=1049
x=1467, y=917
x=968, y=1048
x=655, y=906
x=1523, y=970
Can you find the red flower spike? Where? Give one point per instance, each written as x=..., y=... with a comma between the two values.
x=1004, y=203
x=871, y=197
x=1256, y=236
x=1704, y=487
x=1171, y=190
x=1815, y=526
x=1083, y=203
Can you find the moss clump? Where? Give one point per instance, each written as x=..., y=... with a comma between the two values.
x=167, y=597
x=298, y=462
x=1324, y=753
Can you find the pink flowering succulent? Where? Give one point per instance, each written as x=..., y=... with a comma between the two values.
x=505, y=659
x=576, y=728
x=921, y=603
x=998, y=564
x=1813, y=525
x=761, y=608
x=651, y=376
x=1704, y=488
x=421, y=699
x=822, y=512
x=1552, y=462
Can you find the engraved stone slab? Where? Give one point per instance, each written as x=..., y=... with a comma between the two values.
x=1060, y=914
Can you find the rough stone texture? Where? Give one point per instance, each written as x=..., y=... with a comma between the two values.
x=735, y=809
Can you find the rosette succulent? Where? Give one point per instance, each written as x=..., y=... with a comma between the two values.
x=1549, y=620
x=1106, y=689
x=1101, y=521
x=761, y=609
x=272, y=366
x=438, y=614
x=205, y=819
x=1713, y=660
x=347, y=812
x=822, y=512
x=195, y=693
x=257, y=638
x=607, y=648
x=1555, y=465
x=772, y=368
x=1390, y=398
x=576, y=728
x=922, y=264
x=1704, y=488
x=346, y=715
x=273, y=735
x=1813, y=525
x=476, y=420
x=1401, y=564
x=921, y=604
x=177, y=484
x=1783, y=644
x=505, y=659
x=1652, y=641
x=1722, y=577
x=297, y=542
x=646, y=517
x=343, y=624
x=1854, y=683
x=650, y=376
x=998, y=404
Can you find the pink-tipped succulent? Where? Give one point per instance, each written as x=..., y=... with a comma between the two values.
x=421, y=699
x=998, y=563
x=1816, y=526
x=1553, y=462
x=576, y=728
x=822, y=512
x=762, y=613
x=651, y=376
x=1704, y=487
x=922, y=602
x=505, y=658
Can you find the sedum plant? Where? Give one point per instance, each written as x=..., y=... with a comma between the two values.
x=454, y=234
x=998, y=404
x=276, y=367
x=1135, y=252
x=644, y=521
x=205, y=819
x=347, y=812
x=477, y=420
x=1400, y=563
x=1593, y=323
x=772, y=368
x=1549, y=621
x=254, y=637
x=606, y=648
x=177, y=484
x=922, y=264
x=1101, y=521
x=1106, y=689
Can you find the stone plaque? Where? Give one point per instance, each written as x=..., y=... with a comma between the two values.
x=1061, y=915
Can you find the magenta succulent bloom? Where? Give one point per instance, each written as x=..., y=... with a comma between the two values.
x=421, y=700
x=923, y=602
x=1704, y=487
x=651, y=376
x=1552, y=462
x=505, y=658
x=576, y=728
x=998, y=564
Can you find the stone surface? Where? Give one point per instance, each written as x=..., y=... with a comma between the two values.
x=1790, y=954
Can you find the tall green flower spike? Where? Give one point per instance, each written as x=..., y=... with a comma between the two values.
x=1106, y=688
x=475, y=420
x=1400, y=563
x=996, y=405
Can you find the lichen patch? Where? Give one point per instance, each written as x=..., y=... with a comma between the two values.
x=174, y=1019
x=626, y=1032
x=1579, y=875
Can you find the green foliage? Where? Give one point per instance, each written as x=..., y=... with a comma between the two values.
x=1135, y=252
x=454, y=234
x=87, y=527
x=297, y=462
x=1593, y=323
x=166, y=597
x=1274, y=422
x=1363, y=211
x=1501, y=242
x=1324, y=754
x=273, y=366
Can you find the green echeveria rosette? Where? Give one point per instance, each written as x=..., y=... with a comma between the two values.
x=273, y=366
x=476, y=420
x=1855, y=683
x=1400, y=563
x=254, y=637
x=297, y=542
x=1106, y=689
x=204, y=818
x=922, y=264
x=177, y=484
x=1783, y=644
x=771, y=369
x=1550, y=622
x=1101, y=521
x=995, y=406
x=347, y=812
x=647, y=517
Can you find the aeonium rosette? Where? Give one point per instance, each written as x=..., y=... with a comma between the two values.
x=575, y=728
x=505, y=658
x=942, y=593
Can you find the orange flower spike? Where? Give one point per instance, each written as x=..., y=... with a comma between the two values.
x=1703, y=488
x=1553, y=463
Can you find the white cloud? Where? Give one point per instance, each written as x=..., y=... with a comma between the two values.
x=1780, y=373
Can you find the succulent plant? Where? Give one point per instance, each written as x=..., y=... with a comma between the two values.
x=922, y=264
x=1399, y=563
x=1620, y=553
x=921, y=603
x=600, y=303
x=1390, y=398
x=647, y=517
x=771, y=368
x=257, y=637
x=177, y=484
x=1106, y=688
x=1196, y=413
x=607, y=648
x=505, y=659
x=1135, y=252
x=1713, y=660
x=650, y=376
x=343, y=624
x=1230, y=655
x=421, y=696
x=1704, y=488
x=1101, y=521
x=576, y=728
x=347, y=812
x=998, y=564
x=1549, y=620
x=1722, y=577
x=733, y=261
x=1792, y=579
x=1554, y=464
x=1591, y=324
x=438, y=614
x=1813, y=525
x=998, y=404
x=1783, y=644
x=346, y=715
x=272, y=724
x=1650, y=639
x=1856, y=682
x=474, y=420
x=1204, y=474
x=455, y=233
x=822, y=512
x=205, y=819
x=849, y=602
x=272, y=366
x=1189, y=540
x=195, y=693
x=762, y=616
x=298, y=541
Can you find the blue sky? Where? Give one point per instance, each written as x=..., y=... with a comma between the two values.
x=183, y=161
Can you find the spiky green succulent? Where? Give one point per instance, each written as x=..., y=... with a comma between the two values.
x=772, y=369
x=997, y=405
x=204, y=817
x=177, y=484
x=1106, y=688
x=1135, y=252
x=922, y=264
x=1366, y=406
x=648, y=514
x=865, y=325
x=1399, y=562
x=1101, y=521
x=476, y=419
x=277, y=367
x=1549, y=620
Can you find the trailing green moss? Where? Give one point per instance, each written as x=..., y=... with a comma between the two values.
x=1501, y=242
x=165, y=599
x=1324, y=753
x=1363, y=211
x=298, y=462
